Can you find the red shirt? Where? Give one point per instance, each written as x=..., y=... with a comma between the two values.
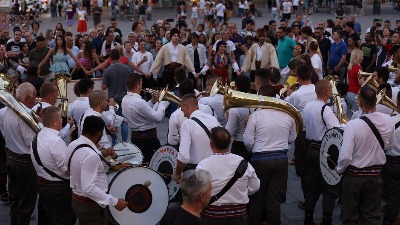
x=354, y=86
x=122, y=59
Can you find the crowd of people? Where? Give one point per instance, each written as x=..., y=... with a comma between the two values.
x=288, y=62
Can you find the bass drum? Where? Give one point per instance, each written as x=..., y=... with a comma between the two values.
x=128, y=153
x=164, y=162
x=329, y=155
x=146, y=194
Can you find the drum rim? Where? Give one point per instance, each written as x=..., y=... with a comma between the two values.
x=112, y=181
x=140, y=151
x=341, y=131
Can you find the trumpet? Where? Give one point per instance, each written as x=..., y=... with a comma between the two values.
x=201, y=94
x=383, y=99
x=336, y=99
x=164, y=95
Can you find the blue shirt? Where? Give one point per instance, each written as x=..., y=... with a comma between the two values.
x=336, y=52
x=285, y=51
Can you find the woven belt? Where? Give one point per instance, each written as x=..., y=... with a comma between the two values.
x=172, y=66
x=43, y=181
x=393, y=159
x=225, y=211
x=147, y=134
x=20, y=158
x=369, y=171
x=82, y=199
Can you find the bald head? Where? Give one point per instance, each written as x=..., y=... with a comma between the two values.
x=322, y=87
x=96, y=98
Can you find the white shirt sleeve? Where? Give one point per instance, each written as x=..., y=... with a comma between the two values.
x=232, y=124
x=248, y=136
x=153, y=115
x=59, y=155
x=184, y=147
x=173, y=131
x=64, y=132
x=346, y=151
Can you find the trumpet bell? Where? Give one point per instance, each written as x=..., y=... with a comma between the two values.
x=383, y=99
x=6, y=84
x=371, y=82
x=165, y=95
x=61, y=80
x=217, y=88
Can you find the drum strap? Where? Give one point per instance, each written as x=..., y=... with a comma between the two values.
x=397, y=125
x=202, y=126
x=322, y=111
x=39, y=162
x=88, y=146
x=374, y=130
x=241, y=169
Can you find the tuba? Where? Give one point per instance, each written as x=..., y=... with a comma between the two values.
x=8, y=99
x=61, y=81
x=371, y=82
x=164, y=95
x=233, y=99
x=383, y=99
x=336, y=99
x=7, y=84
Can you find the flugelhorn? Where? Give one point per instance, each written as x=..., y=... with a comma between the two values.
x=61, y=81
x=234, y=99
x=164, y=95
x=383, y=99
x=337, y=99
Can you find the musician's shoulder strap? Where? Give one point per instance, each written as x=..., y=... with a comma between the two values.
x=322, y=111
x=374, y=130
x=241, y=169
x=397, y=125
x=202, y=126
x=39, y=162
x=73, y=152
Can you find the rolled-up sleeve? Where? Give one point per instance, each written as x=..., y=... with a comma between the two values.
x=184, y=147
x=346, y=151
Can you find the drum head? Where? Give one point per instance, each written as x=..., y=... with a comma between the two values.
x=146, y=193
x=128, y=153
x=330, y=146
x=164, y=162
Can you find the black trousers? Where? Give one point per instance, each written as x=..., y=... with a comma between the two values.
x=272, y=192
x=90, y=213
x=228, y=221
x=391, y=190
x=56, y=201
x=147, y=146
x=238, y=148
x=22, y=189
x=3, y=168
x=316, y=185
x=361, y=200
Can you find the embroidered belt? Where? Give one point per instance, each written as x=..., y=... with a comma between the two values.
x=147, y=134
x=393, y=159
x=269, y=155
x=82, y=199
x=369, y=171
x=43, y=181
x=225, y=211
x=20, y=158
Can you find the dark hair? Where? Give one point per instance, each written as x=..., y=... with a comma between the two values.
x=113, y=19
x=243, y=83
x=342, y=88
x=367, y=96
x=180, y=75
x=93, y=125
x=132, y=80
x=135, y=25
x=68, y=33
x=267, y=90
x=313, y=46
x=383, y=72
x=220, y=138
x=271, y=22
x=108, y=32
x=88, y=52
x=63, y=45
x=339, y=32
x=275, y=74
x=293, y=63
x=330, y=23
x=114, y=54
x=40, y=38
x=282, y=28
x=350, y=24
x=186, y=87
x=36, y=24
x=263, y=75
x=84, y=85
x=307, y=30
x=303, y=72
x=32, y=69
x=47, y=88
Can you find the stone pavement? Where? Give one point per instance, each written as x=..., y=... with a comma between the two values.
x=291, y=214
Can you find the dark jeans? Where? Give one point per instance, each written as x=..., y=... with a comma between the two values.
x=3, y=168
x=90, y=213
x=22, y=189
x=361, y=200
x=56, y=201
x=391, y=190
x=229, y=221
x=272, y=192
x=147, y=146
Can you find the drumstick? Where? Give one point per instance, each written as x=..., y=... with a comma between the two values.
x=147, y=183
x=166, y=175
x=128, y=154
x=121, y=150
x=328, y=157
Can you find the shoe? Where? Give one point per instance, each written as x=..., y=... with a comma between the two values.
x=301, y=205
x=4, y=197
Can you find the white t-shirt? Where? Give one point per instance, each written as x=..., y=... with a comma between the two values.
x=220, y=9
x=246, y=5
x=138, y=56
x=295, y=2
x=286, y=7
x=202, y=4
x=81, y=14
x=317, y=64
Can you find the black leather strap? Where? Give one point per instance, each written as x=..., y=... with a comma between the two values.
x=87, y=146
x=241, y=169
x=202, y=126
x=322, y=111
x=397, y=125
x=374, y=130
x=39, y=162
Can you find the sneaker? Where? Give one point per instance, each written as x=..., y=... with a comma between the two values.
x=4, y=197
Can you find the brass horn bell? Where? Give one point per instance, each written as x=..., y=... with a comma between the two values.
x=61, y=80
x=383, y=99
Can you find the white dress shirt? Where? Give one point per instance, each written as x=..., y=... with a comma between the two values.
x=173, y=51
x=304, y=95
x=269, y=130
x=145, y=67
x=222, y=169
x=88, y=175
x=2, y=112
x=19, y=135
x=52, y=151
x=216, y=103
x=360, y=147
x=176, y=119
x=259, y=51
x=195, y=143
x=64, y=132
x=105, y=141
x=78, y=108
x=237, y=122
x=315, y=127
x=395, y=151
x=384, y=109
x=201, y=49
x=142, y=115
